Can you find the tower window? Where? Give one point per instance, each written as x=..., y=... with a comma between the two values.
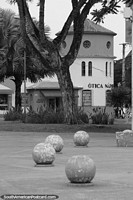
x=106, y=69
x=110, y=69
x=86, y=44
x=90, y=68
x=108, y=44
x=83, y=68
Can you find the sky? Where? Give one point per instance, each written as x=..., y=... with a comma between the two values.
x=56, y=12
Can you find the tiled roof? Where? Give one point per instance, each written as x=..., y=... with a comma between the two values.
x=45, y=85
x=91, y=27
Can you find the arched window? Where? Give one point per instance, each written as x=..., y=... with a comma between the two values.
x=106, y=69
x=110, y=69
x=83, y=68
x=90, y=68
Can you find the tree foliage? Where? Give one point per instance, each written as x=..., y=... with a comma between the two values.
x=12, y=50
x=120, y=96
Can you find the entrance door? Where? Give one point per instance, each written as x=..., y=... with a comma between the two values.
x=52, y=104
x=55, y=103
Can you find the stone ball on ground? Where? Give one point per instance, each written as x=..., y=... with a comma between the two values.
x=43, y=153
x=56, y=141
x=80, y=169
x=81, y=138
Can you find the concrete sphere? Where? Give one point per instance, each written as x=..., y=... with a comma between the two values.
x=43, y=153
x=56, y=141
x=81, y=138
x=80, y=169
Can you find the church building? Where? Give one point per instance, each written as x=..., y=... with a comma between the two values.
x=92, y=72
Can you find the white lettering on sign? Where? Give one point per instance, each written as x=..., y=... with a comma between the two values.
x=99, y=85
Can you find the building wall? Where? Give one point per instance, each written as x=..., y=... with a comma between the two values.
x=98, y=83
x=98, y=46
x=9, y=83
x=42, y=98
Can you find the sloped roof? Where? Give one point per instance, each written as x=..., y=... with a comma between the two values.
x=5, y=90
x=46, y=85
x=92, y=28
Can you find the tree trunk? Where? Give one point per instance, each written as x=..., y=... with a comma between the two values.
x=18, y=99
x=68, y=97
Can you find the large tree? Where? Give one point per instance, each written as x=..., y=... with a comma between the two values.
x=48, y=52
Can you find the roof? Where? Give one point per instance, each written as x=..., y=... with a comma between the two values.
x=92, y=28
x=46, y=85
x=5, y=90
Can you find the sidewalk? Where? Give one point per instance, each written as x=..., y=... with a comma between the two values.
x=18, y=174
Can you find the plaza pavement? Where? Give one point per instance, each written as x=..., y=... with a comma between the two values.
x=18, y=174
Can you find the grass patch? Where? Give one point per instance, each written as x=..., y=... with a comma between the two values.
x=18, y=126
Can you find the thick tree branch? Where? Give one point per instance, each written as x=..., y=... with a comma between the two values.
x=62, y=35
x=41, y=20
x=74, y=3
x=31, y=38
x=22, y=18
x=78, y=32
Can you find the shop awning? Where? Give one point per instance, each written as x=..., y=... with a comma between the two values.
x=5, y=90
x=51, y=93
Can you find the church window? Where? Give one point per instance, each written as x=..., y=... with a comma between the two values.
x=90, y=68
x=108, y=44
x=83, y=68
x=106, y=69
x=86, y=44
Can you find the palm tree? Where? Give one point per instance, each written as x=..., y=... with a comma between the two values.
x=12, y=55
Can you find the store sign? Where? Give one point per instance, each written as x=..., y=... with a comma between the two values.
x=99, y=85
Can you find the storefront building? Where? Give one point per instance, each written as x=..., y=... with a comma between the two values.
x=46, y=95
x=5, y=98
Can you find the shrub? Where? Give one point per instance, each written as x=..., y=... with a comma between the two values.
x=100, y=116
x=83, y=117
x=50, y=117
x=13, y=115
x=45, y=116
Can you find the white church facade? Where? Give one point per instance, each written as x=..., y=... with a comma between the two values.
x=92, y=72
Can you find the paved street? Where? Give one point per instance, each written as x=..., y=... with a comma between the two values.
x=18, y=174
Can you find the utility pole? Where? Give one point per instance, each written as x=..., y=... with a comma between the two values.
x=123, y=63
x=132, y=64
